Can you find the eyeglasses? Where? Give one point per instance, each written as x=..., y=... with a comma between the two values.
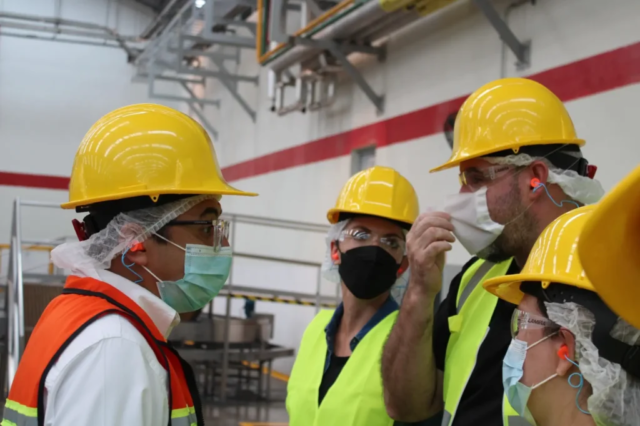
x=394, y=245
x=475, y=179
x=212, y=232
x=521, y=320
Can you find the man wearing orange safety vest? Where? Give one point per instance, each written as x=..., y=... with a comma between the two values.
x=152, y=249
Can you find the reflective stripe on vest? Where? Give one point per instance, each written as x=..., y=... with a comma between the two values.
x=83, y=301
x=468, y=329
x=19, y=415
x=356, y=397
x=184, y=417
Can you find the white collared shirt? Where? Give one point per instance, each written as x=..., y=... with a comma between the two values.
x=109, y=375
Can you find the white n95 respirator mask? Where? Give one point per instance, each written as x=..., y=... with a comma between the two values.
x=473, y=225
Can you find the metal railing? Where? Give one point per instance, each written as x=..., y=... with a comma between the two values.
x=15, y=297
x=14, y=300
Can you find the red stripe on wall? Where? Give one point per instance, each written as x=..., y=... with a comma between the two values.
x=34, y=181
x=596, y=74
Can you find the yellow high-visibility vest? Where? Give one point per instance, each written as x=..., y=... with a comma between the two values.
x=468, y=329
x=355, y=399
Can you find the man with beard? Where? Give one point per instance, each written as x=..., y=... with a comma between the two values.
x=520, y=168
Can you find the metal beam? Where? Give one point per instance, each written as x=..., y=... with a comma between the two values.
x=346, y=48
x=376, y=99
x=217, y=74
x=226, y=82
x=185, y=99
x=206, y=123
x=57, y=22
x=251, y=26
x=313, y=7
x=208, y=54
x=224, y=39
x=277, y=27
x=173, y=79
x=520, y=49
x=60, y=40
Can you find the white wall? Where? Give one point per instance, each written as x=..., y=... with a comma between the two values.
x=51, y=93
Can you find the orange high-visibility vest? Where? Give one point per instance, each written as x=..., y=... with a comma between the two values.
x=83, y=301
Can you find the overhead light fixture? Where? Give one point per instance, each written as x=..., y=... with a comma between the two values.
x=200, y=3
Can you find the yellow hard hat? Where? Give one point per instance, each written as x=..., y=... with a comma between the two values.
x=609, y=248
x=145, y=150
x=553, y=259
x=378, y=191
x=508, y=114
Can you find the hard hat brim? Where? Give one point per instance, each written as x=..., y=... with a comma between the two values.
x=507, y=287
x=333, y=216
x=229, y=190
x=609, y=248
x=457, y=160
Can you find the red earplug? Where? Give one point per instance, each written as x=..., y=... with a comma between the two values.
x=400, y=271
x=136, y=247
x=563, y=352
x=335, y=256
x=535, y=182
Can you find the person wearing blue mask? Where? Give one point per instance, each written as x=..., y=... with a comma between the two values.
x=152, y=251
x=572, y=361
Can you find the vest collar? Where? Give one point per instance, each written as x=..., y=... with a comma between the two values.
x=163, y=316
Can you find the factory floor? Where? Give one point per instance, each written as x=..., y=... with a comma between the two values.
x=249, y=413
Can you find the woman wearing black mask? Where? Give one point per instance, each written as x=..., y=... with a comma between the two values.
x=336, y=377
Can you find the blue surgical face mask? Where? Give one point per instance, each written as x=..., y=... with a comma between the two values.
x=206, y=269
x=512, y=371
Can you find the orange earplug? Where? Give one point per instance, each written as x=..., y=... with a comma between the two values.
x=563, y=352
x=535, y=182
x=137, y=247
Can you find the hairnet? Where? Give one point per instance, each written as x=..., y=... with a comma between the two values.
x=330, y=270
x=579, y=188
x=121, y=233
x=616, y=394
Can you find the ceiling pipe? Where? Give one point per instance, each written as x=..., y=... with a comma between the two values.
x=57, y=26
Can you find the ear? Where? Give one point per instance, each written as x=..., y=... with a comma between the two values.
x=139, y=256
x=335, y=253
x=404, y=265
x=567, y=338
x=539, y=172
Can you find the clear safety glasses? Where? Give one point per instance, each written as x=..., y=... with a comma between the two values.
x=521, y=321
x=393, y=244
x=474, y=179
x=214, y=233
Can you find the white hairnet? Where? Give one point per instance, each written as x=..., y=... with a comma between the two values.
x=121, y=233
x=616, y=394
x=330, y=270
x=579, y=188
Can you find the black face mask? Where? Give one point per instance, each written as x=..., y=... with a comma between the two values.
x=368, y=271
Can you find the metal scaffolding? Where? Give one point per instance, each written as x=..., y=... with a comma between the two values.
x=210, y=30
